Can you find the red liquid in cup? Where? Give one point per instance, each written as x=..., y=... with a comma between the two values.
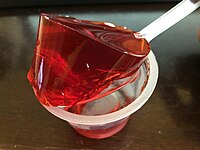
x=103, y=133
x=76, y=61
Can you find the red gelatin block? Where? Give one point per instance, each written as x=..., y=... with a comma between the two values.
x=77, y=61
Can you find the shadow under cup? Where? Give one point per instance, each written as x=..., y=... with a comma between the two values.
x=98, y=120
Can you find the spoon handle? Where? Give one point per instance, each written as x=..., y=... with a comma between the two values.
x=171, y=17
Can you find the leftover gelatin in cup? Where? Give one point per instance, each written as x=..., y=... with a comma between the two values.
x=95, y=122
x=94, y=75
x=77, y=61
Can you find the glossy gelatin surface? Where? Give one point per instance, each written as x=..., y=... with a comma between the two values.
x=77, y=61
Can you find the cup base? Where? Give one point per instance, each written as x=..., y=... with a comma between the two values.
x=102, y=133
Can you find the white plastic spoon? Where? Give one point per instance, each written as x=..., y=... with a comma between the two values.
x=170, y=18
x=163, y=23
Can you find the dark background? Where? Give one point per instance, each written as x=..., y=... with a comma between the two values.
x=170, y=120
x=23, y=3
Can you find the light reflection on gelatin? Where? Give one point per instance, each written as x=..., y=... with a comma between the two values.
x=78, y=61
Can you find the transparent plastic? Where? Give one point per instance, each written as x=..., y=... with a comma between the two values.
x=89, y=73
x=97, y=121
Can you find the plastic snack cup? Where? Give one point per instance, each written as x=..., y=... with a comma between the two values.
x=98, y=120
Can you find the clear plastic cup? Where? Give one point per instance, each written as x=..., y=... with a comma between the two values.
x=106, y=116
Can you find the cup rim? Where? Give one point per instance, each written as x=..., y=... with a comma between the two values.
x=117, y=115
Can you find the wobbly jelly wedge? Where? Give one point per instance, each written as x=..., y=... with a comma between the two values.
x=77, y=61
